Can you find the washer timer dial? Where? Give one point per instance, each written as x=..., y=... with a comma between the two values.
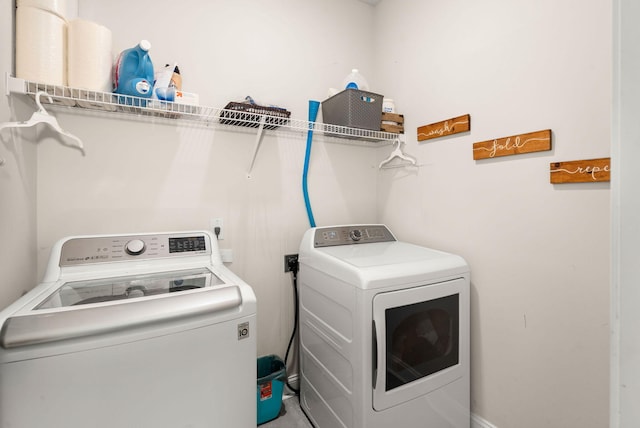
x=355, y=234
x=135, y=247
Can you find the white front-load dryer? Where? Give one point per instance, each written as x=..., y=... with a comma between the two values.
x=131, y=331
x=384, y=331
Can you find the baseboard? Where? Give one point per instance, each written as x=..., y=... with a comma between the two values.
x=479, y=422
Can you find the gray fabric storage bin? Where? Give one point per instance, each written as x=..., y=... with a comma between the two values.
x=353, y=108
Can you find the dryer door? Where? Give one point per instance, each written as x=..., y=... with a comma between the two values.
x=421, y=340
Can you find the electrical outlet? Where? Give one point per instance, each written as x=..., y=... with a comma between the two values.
x=217, y=222
x=227, y=255
x=290, y=260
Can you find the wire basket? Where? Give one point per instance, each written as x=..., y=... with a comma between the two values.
x=252, y=115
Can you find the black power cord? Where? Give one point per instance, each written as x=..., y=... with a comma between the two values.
x=293, y=267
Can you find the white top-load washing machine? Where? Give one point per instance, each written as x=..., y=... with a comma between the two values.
x=384, y=331
x=145, y=330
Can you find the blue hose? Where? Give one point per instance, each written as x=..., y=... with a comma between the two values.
x=313, y=113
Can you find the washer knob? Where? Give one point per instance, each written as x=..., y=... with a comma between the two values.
x=135, y=247
x=355, y=234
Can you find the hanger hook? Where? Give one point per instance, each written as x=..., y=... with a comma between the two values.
x=39, y=103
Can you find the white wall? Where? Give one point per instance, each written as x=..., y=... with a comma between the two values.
x=539, y=253
x=625, y=375
x=17, y=182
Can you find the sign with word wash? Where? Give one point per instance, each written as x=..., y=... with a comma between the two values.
x=581, y=171
x=446, y=127
x=538, y=141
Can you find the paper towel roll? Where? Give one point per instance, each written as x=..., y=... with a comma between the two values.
x=63, y=8
x=89, y=62
x=41, y=46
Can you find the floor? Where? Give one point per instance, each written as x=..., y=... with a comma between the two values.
x=290, y=416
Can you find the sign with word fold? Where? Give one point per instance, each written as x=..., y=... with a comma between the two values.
x=538, y=141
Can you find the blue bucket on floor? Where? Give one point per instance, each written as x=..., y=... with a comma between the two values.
x=272, y=374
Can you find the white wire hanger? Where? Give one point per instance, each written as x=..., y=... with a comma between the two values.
x=397, y=153
x=41, y=116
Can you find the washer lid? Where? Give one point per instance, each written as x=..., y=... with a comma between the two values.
x=86, y=292
x=89, y=321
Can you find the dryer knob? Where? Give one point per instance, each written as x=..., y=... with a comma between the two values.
x=355, y=234
x=135, y=247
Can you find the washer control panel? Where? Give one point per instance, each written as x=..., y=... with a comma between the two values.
x=106, y=249
x=349, y=235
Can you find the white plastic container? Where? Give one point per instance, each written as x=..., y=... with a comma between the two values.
x=388, y=106
x=355, y=80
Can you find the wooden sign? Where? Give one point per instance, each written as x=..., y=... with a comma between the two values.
x=446, y=127
x=538, y=141
x=581, y=171
x=392, y=122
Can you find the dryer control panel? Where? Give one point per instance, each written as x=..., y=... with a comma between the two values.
x=349, y=235
x=105, y=249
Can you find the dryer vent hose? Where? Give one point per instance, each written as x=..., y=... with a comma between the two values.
x=313, y=113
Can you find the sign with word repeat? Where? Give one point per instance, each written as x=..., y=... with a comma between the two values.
x=538, y=141
x=446, y=127
x=581, y=171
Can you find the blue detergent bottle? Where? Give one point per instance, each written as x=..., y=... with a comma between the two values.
x=133, y=71
x=355, y=80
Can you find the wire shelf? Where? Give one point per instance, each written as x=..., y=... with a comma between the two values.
x=125, y=104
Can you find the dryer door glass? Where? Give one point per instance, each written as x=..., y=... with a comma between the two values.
x=420, y=340
x=127, y=287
